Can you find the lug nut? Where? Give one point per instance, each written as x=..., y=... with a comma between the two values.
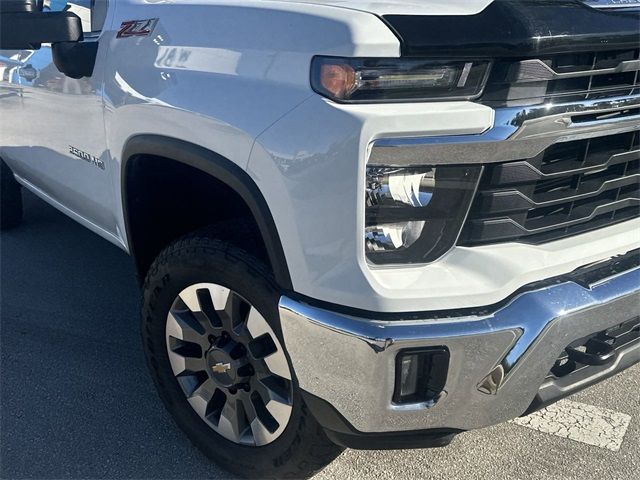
x=222, y=340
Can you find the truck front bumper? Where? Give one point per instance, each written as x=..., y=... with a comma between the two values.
x=500, y=358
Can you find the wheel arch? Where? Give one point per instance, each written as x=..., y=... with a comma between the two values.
x=216, y=167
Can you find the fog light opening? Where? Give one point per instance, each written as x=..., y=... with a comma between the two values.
x=421, y=375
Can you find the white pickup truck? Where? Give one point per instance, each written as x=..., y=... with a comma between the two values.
x=366, y=224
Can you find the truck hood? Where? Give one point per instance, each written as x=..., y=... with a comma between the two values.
x=407, y=7
x=525, y=28
x=502, y=28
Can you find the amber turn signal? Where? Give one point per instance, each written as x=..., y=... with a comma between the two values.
x=338, y=79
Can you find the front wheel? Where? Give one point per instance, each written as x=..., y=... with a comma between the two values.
x=212, y=339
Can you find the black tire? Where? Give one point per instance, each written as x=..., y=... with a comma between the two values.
x=10, y=199
x=303, y=448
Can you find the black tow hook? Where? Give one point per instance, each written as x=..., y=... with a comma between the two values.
x=596, y=352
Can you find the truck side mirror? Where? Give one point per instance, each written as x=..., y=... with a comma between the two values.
x=24, y=26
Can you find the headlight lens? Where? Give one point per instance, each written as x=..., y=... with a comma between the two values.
x=396, y=79
x=414, y=215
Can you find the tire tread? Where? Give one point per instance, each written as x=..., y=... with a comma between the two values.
x=310, y=450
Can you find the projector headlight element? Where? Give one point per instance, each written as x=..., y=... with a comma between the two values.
x=414, y=215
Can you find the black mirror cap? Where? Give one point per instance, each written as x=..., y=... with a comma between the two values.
x=28, y=31
x=75, y=60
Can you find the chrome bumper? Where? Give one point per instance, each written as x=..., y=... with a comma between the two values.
x=498, y=361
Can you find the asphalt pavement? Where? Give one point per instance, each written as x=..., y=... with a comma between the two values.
x=76, y=401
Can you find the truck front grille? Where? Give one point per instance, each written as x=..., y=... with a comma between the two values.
x=566, y=77
x=570, y=188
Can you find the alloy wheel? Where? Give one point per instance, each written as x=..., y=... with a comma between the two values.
x=229, y=364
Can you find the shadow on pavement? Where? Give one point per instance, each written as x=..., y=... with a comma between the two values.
x=76, y=399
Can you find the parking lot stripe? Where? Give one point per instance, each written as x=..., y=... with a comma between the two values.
x=580, y=422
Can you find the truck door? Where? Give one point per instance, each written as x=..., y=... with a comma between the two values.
x=52, y=133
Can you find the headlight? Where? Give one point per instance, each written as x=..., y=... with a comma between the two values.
x=414, y=215
x=397, y=79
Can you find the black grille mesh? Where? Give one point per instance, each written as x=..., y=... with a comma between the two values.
x=565, y=78
x=570, y=188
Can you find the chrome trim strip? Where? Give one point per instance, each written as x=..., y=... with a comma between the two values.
x=535, y=70
x=498, y=361
x=518, y=133
x=615, y=4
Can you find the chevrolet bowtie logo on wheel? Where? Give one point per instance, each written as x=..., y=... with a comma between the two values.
x=221, y=367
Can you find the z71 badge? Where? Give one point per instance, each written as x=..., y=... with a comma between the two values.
x=137, y=28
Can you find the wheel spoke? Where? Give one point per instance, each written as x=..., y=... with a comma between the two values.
x=200, y=398
x=181, y=364
x=184, y=326
x=185, y=349
x=205, y=391
x=256, y=324
x=269, y=352
x=205, y=300
x=199, y=404
x=232, y=423
x=235, y=313
x=261, y=434
x=277, y=364
x=220, y=296
x=208, y=401
x=207, y=309
x=274, y=388
x=190, y=299
x=190, y=382
x=277, y=405
x=249, y=409
x=280, y=411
